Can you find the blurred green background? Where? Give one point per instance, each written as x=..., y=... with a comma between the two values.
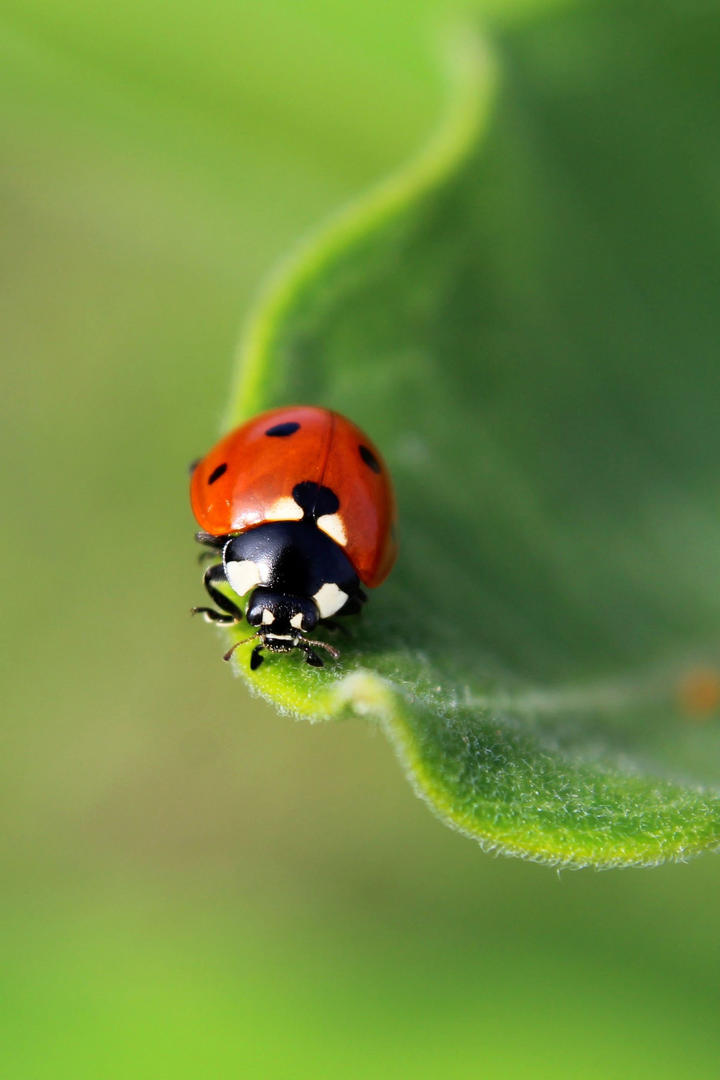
x=192, y=885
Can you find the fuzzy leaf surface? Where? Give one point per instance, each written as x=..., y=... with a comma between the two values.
x=527, y=322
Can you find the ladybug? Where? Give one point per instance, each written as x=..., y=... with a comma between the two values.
x=298, y=505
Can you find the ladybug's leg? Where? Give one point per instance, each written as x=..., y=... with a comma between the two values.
x=311, y=657
x=353, y=604
x=256, y=657
x=213, y=544
x=229, y=611
x=210, y=615
x=211, y=541
x=213, y=576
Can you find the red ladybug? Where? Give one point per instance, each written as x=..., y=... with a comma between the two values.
x=299, y=504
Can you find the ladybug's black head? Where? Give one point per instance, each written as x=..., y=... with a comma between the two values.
x=282, y=620
x=281, y=616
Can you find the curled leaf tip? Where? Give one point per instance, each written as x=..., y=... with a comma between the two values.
x=517, y=304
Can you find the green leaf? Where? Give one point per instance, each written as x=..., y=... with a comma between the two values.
x=527, y=322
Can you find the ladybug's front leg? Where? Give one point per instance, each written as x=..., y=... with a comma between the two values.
x=211, y=541
x=210, y=615
x=213, y=544
x=353, y=604
x=213, y=576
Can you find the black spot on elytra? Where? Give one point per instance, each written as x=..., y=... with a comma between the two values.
x=217, y=473
x=369, y=458
x=315, y=500
x=281, y=430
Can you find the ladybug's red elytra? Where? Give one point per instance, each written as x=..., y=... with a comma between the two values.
x=299, y=506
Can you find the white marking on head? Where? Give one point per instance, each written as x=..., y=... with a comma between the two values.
x=333, y=526
x=296, y=621
x=242, y=576
x=284, y=509
x=267, y=617
x=329, y=599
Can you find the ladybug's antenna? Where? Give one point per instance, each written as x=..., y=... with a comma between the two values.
x=304, y=643
x=244, y=641
x=321, y=644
